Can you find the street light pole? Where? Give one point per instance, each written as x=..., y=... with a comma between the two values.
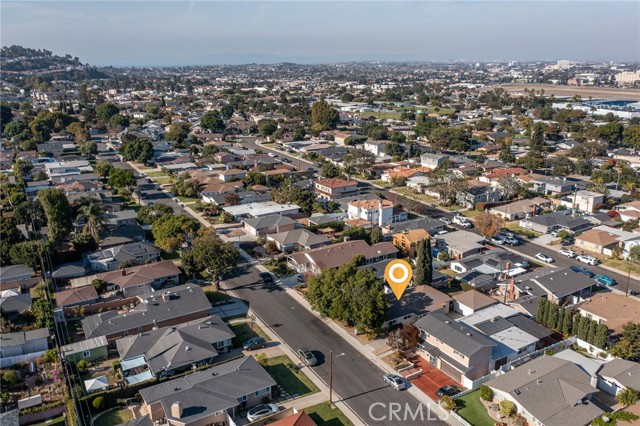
x=331, y=375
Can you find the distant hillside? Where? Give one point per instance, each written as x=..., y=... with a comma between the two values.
x=23, y=60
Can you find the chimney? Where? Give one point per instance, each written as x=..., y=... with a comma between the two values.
x=166, y=296
x=176, y=409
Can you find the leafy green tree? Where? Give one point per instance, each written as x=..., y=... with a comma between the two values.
x=5, y=115
x=9, y=236
x=541, y=316
x=103, y=168
x=185, y=187
x=287, y=192
x=172, y=231
x=25, y=212
x=357, y=233
x=226, y=111
x=121, y=178
x=347, y=97
x=83, y=243
x=358, y=162
x=421, y=264
x=567, y=323
x=28, y=252
x=79, y=132
x=611, y=419
x=601, y=336
x=534, y=158
x=627, y=397
x=147, y=215
x=628, y=346
x=330, y=170
x=210, y=254
x=212, y=122
x=179, y=132
x=137, y=149
x=634, y=254
x=119, y=121
x=14, y=128
x=631, y=136
x=106, y=110
x=324, y=116
x=88, y=148
x=486, y=393
x=376, y=235
x=267, y=127
x=58, y=212
x=82, y=366
x=611, y=132
x=41, y=309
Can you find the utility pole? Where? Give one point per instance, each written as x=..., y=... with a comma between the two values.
x=330, y=377
x=626, y=291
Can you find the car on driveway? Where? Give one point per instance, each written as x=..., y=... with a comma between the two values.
x=448, y=390
x=604, y=279
x=589, y=260
x=445, y=221
x=307, y=357
x=266, y=277
x=582, y=270
x=255, y=343
x=544, y=258
x=260, y=411
x=394, y=381
x=568, y=241
x=568, y=253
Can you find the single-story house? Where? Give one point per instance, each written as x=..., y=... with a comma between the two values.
x=520, y=209
x=90, y=350
x=32, y=342
x=550, y=222
x=267, y=208
x=297, y=239
x=618, y=374
x=471, y=301
x=271, y=224
x=416, y=302
x=111, y=258
x=77, y=297
x=460, y=244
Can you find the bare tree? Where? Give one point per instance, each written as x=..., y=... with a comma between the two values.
x=488, y=224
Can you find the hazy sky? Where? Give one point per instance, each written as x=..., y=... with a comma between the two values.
x=209, y=32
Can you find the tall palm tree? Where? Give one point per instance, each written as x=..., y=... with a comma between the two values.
x=93, y=214
x=627, y=397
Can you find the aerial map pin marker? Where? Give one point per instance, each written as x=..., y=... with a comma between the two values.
x=398, y=274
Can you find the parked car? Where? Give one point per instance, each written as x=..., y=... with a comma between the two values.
x=506, y=233
x=394, y=381
x=462, y=221
x=567, y=241
x=307, y=356
x=589, y=260
x=445, y=221
x=512, y=241
x=568, y=253
x=448, y=390
x=260, y=411
x=604, y=279
x=254, y=343
x=272, y=155
x=266, y=277
x=544, y=258
x=498, y=239
x=457, y=214
x=582, y=270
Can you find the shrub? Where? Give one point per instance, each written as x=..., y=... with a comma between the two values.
x=261, y=358
x=448, y=403
x=507, y=408
x=10, y=378
x=486, y=393
x=82, y=366
x=98, y=403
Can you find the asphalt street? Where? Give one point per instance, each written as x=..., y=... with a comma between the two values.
x=356, y=379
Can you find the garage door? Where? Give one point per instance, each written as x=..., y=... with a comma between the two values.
x=450, y=371
x=607, y=386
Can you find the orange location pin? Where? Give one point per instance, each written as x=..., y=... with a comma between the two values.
x=398, y=274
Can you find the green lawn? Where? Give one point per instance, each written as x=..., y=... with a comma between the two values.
x=383, y=115
x=324, y=415
x=382, y=183
x=515, y=227
x=470, y=213
x=216, y=296
x=471, y=409
x=248, y=330
x=114, y=417
x=163, y=180
x=622, y=266
x=289, y=376
x=57, y=421
x=187, y=199
x=420, y=197
x=155, y=174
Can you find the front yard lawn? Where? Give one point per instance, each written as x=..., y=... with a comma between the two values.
x=248, y=330
x=471, y=409
x=114, y=417
x=289, y=376
x=323, y=414
x=622, y=266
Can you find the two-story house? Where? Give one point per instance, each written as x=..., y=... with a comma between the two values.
x=408, y=241
x=432, y=161
x=111, y=258
x=334, y=188
x=377, y=212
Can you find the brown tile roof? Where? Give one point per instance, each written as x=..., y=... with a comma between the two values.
x=140, y=275
x=338, y=254
x=357, y=222
x=616, y=309
x=299, y=419
x=76, y=296
x=371, y=204
x=599, y=237
x=336, y=182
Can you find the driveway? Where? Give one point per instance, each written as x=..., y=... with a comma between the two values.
x=431, y=379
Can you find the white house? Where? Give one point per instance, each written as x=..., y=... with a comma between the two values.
x=375, y=147
x=432, y=161
x=583, y=200
x=378, y=212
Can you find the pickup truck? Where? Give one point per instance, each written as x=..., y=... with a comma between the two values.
x=462, y=221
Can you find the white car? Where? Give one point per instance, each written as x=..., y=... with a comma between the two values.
x=260, y=411
x=394, y=381
x=544, y=258
x=445, y=221
x=589, y=260
x=568, y=253
x=498, y=239
x=271, y=154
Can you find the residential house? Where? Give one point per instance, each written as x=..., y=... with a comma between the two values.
x=77, y=297
x=334, y=188
x=432, y=161
x=597, y=241
x=460, y=244
x=297, y=239
x=548, y=391
x=415, y=303
x=629, y=211
x=253, y=210
x=549, y=185
x=167, y=351
x=153, y=310
x=272, y=224
x=67, y=168
x=468, y=302
x=612, y=309
x=477, y=192
x=15, y=273
x=121, y=218
x=550, y=222
x=22, y=346
x=407, y=241
x=13, y=303
x=583, y=200
x=231, y=175
x=377, y=212
x=94, y=349
x=432, y=226
x=297, y=419
x=336, y=255
x=377, y=148
x=520, y=209
x=495, y=262
x=402, y=172
x=210, y=396
x=559, y=285
x=493, y=177
x=136, y=279
x=459, y=351
x=111, y=258
x=619, y=374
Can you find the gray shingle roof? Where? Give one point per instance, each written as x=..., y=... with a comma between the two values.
x=454, y=334
x=625, y=372
x=268, y=221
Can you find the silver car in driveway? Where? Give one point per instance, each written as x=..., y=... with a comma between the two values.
x=394, y=381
